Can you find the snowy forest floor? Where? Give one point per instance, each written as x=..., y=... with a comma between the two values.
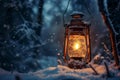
x=63, y=73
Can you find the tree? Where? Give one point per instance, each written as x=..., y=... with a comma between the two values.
x=20, y=34
x=104, y=10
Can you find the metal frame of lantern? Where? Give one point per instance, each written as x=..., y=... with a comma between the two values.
x=77, y=39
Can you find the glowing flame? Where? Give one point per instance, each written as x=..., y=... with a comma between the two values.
x=76, y=46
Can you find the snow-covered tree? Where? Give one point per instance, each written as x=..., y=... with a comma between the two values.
x=109, y=11
x=20, y=38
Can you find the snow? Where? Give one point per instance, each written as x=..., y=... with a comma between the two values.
x=5, y=75
x=63, y=73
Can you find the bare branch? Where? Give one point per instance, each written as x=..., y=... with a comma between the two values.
x=96, y=73
x=107, y=69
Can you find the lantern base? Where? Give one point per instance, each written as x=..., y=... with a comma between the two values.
x=77, y=63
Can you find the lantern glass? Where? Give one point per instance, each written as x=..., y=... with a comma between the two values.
x=77, y=46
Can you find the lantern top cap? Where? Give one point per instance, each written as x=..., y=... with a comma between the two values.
x=77, y=15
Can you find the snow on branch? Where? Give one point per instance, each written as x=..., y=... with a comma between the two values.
x=103, y=8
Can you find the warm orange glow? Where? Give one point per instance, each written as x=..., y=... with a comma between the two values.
x=76, y=46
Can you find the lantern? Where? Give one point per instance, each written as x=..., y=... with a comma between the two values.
x=77, y=39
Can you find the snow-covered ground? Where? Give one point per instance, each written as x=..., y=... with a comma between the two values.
x=5, y=75
x=63, y=73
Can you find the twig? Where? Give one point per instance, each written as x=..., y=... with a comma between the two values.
x=106, y=48
x=107, y=69
x=96, y=73
x=59, y=59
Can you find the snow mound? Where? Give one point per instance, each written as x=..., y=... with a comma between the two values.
x=65, y=73
x=5, y=75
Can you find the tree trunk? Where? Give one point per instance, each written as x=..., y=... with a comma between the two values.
x=107, y=21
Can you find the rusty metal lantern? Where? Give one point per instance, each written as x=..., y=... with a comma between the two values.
x=77, y=39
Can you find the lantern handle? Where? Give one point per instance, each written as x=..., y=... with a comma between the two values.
x=65, y=12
